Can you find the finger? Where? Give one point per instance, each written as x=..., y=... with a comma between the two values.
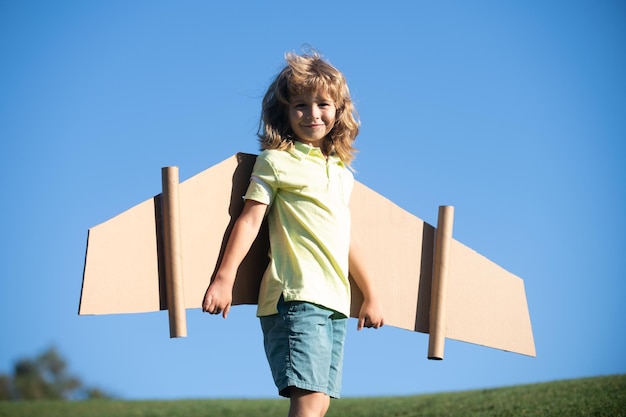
x=206, y=301
x=216, y=309
x=212, y=309
x=360, y=324
x=209, y=304
x=226, y=310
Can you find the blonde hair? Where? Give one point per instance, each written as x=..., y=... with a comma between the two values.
x=304, y=74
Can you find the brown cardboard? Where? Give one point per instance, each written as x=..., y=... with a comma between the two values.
x=172, y=252
x=438, y=307
x=124, y=267
x=486, y=304
x=398, y=250
x=124, y=271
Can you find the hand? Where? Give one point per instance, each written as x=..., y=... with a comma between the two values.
x=370, y=315
x=218, y=298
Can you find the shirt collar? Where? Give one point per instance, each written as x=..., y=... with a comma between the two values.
x=300, y=149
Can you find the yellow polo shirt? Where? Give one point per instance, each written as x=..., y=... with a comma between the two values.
x=309, y=226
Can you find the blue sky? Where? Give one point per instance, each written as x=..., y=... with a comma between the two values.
x=513, y=112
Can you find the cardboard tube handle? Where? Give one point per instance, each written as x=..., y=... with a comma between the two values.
x=173, y=252
x=437, y=323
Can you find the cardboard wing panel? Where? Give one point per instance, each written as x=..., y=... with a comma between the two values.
x=121, y=272
x=485, y=304
x=398, y=250
x=210, y=203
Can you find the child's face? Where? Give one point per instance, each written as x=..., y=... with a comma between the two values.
x=312, y=117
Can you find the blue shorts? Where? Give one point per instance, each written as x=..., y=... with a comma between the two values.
x=304, y=347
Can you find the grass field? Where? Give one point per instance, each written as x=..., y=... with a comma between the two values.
x=600, y=396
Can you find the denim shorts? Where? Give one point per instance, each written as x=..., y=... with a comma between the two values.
x=304, y=347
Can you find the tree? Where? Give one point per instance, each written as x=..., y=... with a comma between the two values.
x=45, y=377
x=5, y=387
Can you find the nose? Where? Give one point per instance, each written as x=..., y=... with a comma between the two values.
x=314, y=112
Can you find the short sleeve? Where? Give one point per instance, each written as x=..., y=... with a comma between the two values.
x=263, y=181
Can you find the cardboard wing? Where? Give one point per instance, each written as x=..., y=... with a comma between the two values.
x=162, y=253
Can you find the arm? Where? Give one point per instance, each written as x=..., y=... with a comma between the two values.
x=371, y=314
x=219, y=294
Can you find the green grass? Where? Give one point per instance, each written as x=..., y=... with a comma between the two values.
x=600, y=396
